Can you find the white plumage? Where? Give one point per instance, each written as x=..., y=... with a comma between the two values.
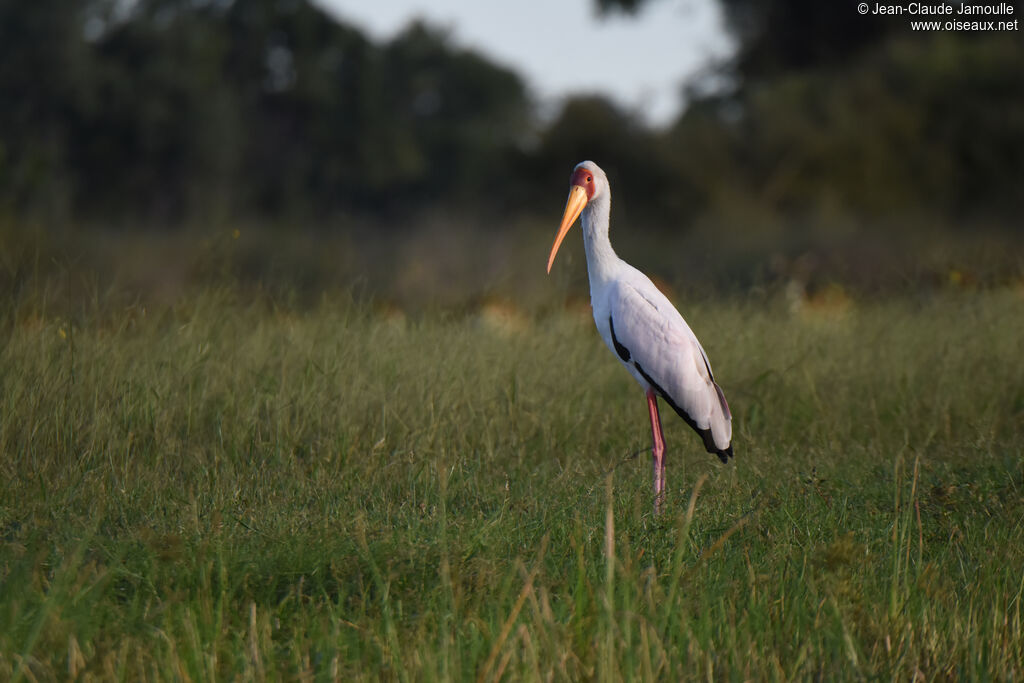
x=644, y=330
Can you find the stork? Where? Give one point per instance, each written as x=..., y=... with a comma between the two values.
x=644, y=330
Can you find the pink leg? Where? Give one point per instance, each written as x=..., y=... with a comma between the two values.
x=657, y=450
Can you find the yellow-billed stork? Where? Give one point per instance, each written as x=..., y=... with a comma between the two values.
x=644, y=330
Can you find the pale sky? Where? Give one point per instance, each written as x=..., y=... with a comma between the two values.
x=561, y=46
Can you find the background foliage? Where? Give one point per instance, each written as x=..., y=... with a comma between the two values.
x=177, y=111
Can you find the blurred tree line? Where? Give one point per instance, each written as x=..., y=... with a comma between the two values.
x=176, y=109
x=173, y=111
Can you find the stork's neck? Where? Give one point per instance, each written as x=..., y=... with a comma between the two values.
x=601, y=259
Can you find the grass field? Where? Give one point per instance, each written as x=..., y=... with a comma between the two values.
x=236, y=487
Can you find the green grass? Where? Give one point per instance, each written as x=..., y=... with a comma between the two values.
x=235, y=488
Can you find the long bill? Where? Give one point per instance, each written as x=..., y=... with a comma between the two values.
x=573, y=209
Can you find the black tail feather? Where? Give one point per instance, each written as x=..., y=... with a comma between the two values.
x=705, y=434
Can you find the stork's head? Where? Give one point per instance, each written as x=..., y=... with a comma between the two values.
x=588, y=182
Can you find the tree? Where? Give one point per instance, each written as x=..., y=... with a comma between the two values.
x=176, y=110
x=45, y=63
x=836, y=113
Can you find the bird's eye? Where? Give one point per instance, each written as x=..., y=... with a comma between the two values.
x=590, y=178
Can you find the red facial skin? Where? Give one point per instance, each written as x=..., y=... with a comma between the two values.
x=584, y=179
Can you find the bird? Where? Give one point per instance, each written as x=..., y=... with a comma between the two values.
x=644, y=330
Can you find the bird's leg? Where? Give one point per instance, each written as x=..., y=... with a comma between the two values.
x=657, y=450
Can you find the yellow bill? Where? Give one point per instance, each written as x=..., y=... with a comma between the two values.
x=573, y=209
